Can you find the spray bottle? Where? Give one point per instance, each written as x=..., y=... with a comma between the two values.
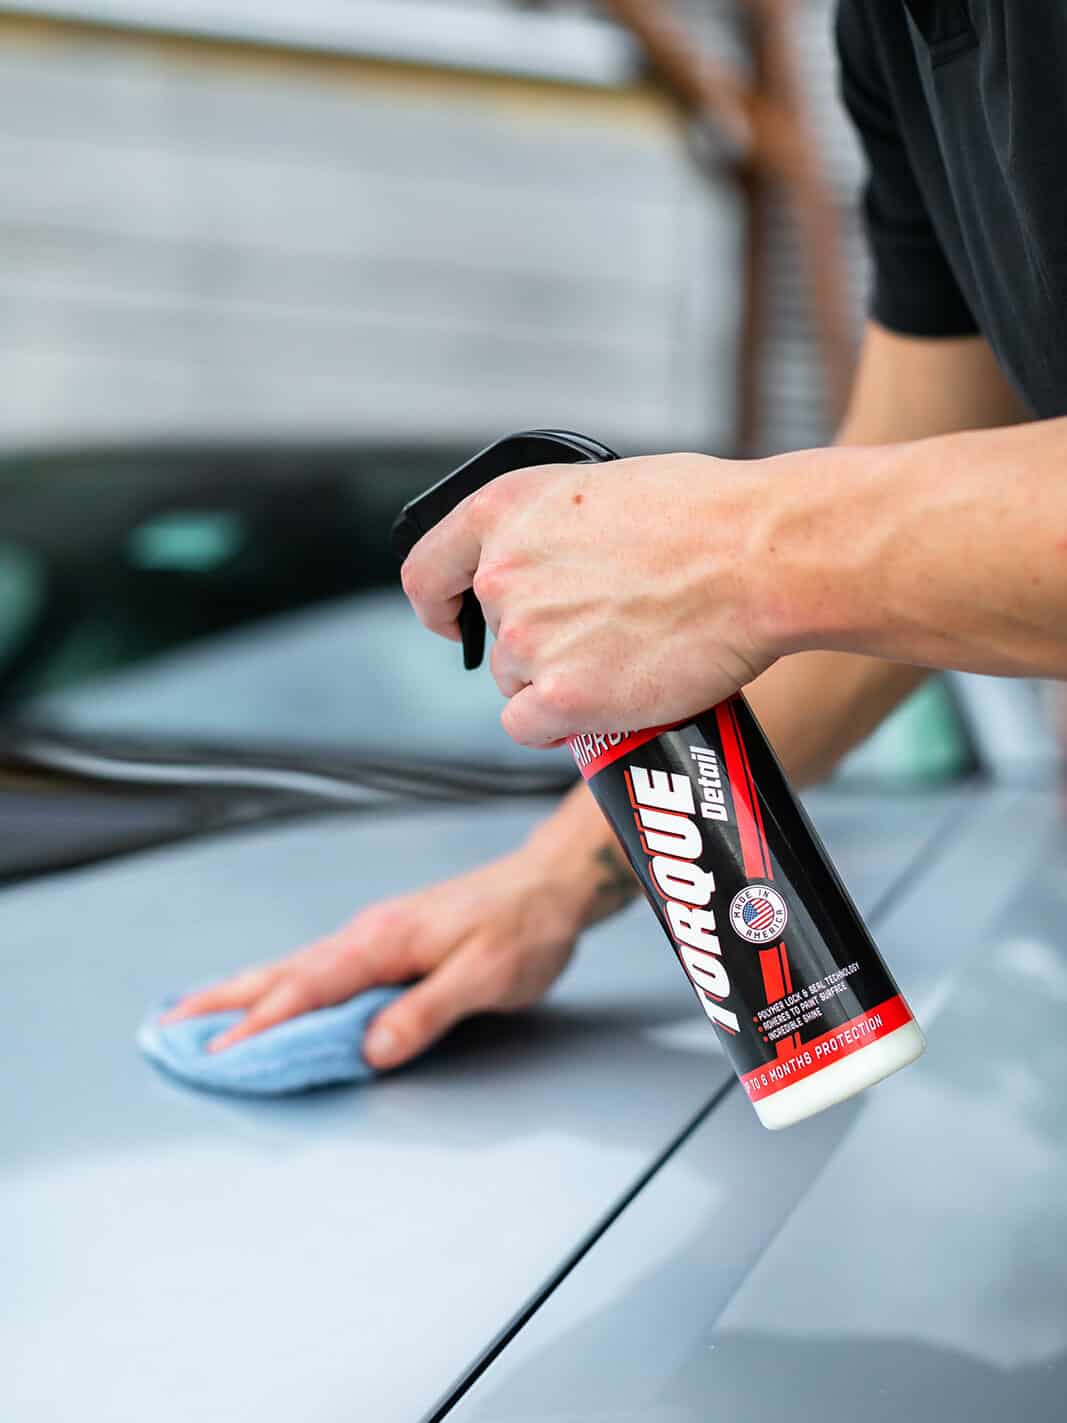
x=766, y=933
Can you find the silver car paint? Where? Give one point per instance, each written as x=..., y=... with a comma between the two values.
x=924, y=1275
x=352, y=1253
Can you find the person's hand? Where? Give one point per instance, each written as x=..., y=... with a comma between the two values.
x=493, y=939
x=622, y=595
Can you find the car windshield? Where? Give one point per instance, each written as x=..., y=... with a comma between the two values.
x=235, y=597
x=245, y=598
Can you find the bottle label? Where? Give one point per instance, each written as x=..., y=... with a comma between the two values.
x=769, y=939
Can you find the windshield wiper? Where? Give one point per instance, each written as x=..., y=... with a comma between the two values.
x=67, y=801
x=350, y=779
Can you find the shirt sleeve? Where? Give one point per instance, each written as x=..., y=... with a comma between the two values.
x=914, y=290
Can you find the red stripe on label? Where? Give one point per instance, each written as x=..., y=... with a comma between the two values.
x=593, y=751
x=787, y=977
x=757, y=866
x=750, y=781
x=770, y=961
x=776, y=984
x=809, y=1058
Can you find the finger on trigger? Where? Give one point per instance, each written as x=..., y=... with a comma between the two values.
x=440, y=568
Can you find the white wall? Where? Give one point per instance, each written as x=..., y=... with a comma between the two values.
x=195, y=245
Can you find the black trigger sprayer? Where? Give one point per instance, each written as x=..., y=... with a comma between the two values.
x=766, y=933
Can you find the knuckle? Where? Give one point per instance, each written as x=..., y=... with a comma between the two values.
x=484, y=501
x=410, y=580
x=490, y=580
x=511, y=487
x=314, y=990
x=491, y=495
x=515, y=639
x=488, y=504
x=381, y=920
x=258, y=1018
x=562, y=696
x=295, y=995
x=259, y=987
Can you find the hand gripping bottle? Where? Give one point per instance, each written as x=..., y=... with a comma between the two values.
x=757, y=916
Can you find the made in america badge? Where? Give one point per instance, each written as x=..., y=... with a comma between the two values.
x=758, y=913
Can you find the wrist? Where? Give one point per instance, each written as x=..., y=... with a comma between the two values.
x=578, y=858
x=824, y=549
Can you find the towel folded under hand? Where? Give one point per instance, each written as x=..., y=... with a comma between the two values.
x=307, y=1051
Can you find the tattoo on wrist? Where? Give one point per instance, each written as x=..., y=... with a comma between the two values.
x=616, y=880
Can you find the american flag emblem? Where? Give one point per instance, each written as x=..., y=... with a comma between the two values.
x=758, y=914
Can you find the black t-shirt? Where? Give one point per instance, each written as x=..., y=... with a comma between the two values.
x=962, y=109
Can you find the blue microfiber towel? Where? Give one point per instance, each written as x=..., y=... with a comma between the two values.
x=307, y=1051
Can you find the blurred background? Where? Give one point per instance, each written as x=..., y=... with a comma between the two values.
x=265, y=272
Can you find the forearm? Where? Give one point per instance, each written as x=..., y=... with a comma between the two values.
x=947, y=552
x=815, y=707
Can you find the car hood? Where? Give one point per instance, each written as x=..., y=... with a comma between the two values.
x=351, y=1252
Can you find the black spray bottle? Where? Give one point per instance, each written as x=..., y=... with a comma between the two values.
x=775, y=950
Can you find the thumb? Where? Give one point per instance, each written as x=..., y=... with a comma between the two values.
x=533, y=719
x=463, y=984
